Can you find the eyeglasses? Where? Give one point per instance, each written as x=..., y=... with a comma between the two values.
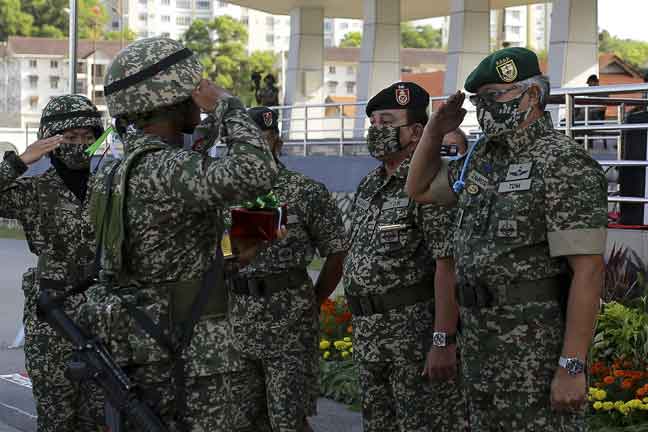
x=488, y=98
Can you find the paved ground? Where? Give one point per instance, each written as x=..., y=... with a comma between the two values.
x=17, y=411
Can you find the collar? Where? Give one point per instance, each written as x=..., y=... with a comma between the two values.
x=401, y=171
x=135, y=139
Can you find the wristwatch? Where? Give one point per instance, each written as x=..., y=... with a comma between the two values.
x=573, y=365
x=443, y=339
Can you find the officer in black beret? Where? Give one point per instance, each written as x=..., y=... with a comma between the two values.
x=389, y=280
x=268, y=121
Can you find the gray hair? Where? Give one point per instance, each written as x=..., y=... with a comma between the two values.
x=543, y=84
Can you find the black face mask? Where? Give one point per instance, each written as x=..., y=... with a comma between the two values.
x=75, y=179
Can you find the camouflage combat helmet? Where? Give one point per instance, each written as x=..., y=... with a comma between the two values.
x=69, y=112
x=150, y=74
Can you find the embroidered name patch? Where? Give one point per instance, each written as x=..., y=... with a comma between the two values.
x=513, y=186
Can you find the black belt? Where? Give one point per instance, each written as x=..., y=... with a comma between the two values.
x=541, y=290
x=268, y=285
x=396, y=298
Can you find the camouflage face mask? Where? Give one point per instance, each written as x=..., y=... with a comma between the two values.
x=73, y=156
x=498, y=118
x=383, y=142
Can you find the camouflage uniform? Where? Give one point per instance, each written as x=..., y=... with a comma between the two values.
x=280, y=330
x=530, y=198
x=390, y=348
x=173, y=201
x=58, y=231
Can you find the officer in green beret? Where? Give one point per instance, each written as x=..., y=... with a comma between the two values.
x=529, y=243
x=399, y=254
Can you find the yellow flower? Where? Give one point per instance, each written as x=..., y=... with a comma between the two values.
x=625, y=410
x=600, y=395
x=345, y=354
x=607, y=406
x=634, y=403
x=339, y=345
x=598, y=405
x=351, y=350
x=618, y=404
x=326, y=355
x=324, y=344
x=347, y=339
x=645, y=400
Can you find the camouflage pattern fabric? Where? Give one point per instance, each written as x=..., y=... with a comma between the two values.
x=84, y=113
x=281, y=331
x=174, y=200
x=57, y=228
x=524, y=193
x=390, y=348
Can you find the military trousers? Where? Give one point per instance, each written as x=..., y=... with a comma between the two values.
x=509, y=356
x=396, y=398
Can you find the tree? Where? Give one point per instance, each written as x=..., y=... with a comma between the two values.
x=128, y=35
x=13, y=21
x=420, y=37
x=351, y=40
x=633, y=51
x=221, y=46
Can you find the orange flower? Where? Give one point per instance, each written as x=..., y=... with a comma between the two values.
x=627, y=364
x=626, y=384
x=608, y=380
x=343, y=317
x=350, y=329
x=641, y=392
x=619, y=373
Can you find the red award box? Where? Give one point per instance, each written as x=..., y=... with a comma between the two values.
x=259, y=224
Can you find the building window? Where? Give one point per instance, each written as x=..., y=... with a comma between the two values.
x=99, y=98
x=82, y=87
x=165, y=18
x=33, y=103
x=328, y=42
x=328, y=27
x=350, y=87
x=222, y=4
x=115, y=24
x=183, y=20
x=54, y=64
x=183, y=4
x=33, y=81
x=54, y=82
x=98, y=71
x=332, y=87
x=350, y=70
x=344, y=26
x=166, y=34
x=331, y=69
x=81, y=69
x=33, y=64
x=245, y=20
x=202, y=4
x=143, y=17
x=515, y=14
x=270, y=38
x=269, y=20
x=165, y=2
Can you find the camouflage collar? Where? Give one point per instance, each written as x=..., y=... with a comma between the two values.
x=137, y=138
x=401, y=171
x=521, y=139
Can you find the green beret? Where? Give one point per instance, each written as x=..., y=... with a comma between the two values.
x=402, y=95
x=505, y=66
x=265, y=118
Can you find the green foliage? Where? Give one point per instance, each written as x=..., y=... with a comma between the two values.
x=622, y=332
x=339, y=381
x=633, y=51
x=221, y=46
x=625, y=278
x=351, y=40
x=420, y=36
x=49, y=18
x=128, y=35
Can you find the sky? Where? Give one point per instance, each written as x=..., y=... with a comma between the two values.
x=627, y=19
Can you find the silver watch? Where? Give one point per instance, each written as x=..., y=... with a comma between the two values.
x=573, y=365
x=443, y=339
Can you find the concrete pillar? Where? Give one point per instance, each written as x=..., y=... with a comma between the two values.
x=380, y=51
x=305, y=71
x=573, y=50
x=469, y=40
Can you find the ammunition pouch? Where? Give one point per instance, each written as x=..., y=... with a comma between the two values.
x=393, y=299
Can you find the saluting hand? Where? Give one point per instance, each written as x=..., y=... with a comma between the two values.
x=450, y=115
x=40, y=148
x=206, y=94
x=568, y=392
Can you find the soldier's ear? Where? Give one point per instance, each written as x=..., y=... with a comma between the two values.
x=534, y=95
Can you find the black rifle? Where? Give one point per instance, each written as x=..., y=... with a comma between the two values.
x=93, y=362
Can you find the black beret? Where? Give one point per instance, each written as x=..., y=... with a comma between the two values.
x=402, y=95
x=265, y=118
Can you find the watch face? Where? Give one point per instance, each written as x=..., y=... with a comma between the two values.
x=439, y=339
x=574, y=366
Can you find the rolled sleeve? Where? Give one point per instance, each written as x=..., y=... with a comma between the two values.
x=576, y=204
x=436, y=222
x=326, y=226
x=440, y=189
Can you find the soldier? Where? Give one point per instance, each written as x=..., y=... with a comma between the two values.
x=159, y=219
x=389, y=277
x=532, y=209
x=53, y=210
x=275, y=307
x=268, y=95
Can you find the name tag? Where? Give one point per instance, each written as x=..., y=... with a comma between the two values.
x=479, y=179
x=362, y=203
x=513, y=186
x=292, y=219
x=395, y=203
x=518, y=171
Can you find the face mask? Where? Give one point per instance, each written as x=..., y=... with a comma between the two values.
x=501, y=117
x=383, y=142
x=73, y=156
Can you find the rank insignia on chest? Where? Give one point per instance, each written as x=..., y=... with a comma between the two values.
x=472, y=189
x=519, y=171
x=507, y=228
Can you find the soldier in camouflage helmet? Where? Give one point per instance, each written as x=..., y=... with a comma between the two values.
x=159, y=218
x=398, y=252
x=53, y=211
x=274, y=304
x=532, y=210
